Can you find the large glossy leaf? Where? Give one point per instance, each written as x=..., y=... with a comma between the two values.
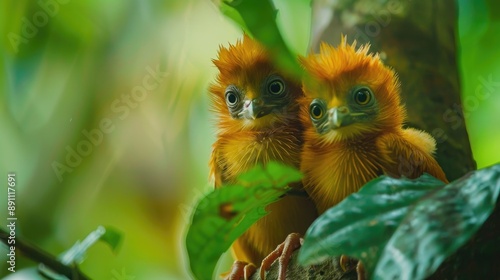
x=403, y=228
x=439, y=225
x=258, y=19
x=362, y=224
x=227, y=212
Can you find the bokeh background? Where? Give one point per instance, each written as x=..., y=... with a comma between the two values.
x=87, y=62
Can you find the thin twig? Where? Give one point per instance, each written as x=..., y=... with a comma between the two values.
x=38, y=255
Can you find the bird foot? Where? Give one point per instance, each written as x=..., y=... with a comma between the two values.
x=348, y=264
x=282, y=253
x=241, y=270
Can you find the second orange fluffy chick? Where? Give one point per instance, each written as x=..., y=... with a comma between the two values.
x=353, y=118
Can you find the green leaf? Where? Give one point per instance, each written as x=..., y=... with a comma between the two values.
x=439, y=225
x=361, y=224
x=76, y=253
x=257, y=18
x=227, y=212
x=113, y=238
x=296, y=33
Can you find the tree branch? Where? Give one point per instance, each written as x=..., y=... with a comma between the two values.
x=327, y=270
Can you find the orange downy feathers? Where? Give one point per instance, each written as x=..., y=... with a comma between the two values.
x=353, y=120
x=257, y=120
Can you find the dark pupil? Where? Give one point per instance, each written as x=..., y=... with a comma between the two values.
x=362, y=96
x=316, y=111
x=275, y=87
x=231, y=98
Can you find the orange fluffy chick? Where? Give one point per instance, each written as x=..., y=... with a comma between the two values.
x=353, y=120
x=257, y=118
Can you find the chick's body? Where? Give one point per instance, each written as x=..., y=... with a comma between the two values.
x=354, y=126
x=257, y=114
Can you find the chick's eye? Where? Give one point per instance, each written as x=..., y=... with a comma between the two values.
x=362, y=96
x=231, y=98
x=276, y=87
x=316, y=111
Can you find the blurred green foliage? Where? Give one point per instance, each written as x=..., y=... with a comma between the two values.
x=67, y=66
x=142, y=177
x=479, y=26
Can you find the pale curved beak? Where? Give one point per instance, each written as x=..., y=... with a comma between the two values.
x=253, y=109
x=339, y=116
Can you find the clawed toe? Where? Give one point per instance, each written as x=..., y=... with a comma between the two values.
x=283, y=253
x=241, y=270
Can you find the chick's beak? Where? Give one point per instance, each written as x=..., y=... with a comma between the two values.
x=339, y=116
x=253, y=109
